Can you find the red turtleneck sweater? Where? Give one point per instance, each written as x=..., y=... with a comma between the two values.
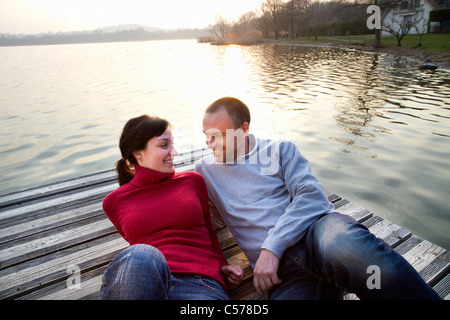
x=170, y=212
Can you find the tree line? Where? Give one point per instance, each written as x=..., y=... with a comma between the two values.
x=297, y=18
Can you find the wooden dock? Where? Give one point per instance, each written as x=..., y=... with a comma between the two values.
x=56, y=242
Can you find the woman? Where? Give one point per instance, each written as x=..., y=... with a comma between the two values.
x=174, y=252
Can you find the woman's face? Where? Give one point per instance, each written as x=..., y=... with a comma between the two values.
x=158, y=153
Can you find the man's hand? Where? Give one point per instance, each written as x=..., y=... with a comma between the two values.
x=232, y=275
x=265, y=275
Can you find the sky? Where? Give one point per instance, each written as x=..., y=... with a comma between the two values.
x=37, y=16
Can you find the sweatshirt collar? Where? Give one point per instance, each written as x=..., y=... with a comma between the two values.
x=145, y=176
x=253, y=146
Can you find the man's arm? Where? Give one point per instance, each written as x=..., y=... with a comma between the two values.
x=308, y=203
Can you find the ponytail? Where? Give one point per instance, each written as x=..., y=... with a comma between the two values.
x=124, y=173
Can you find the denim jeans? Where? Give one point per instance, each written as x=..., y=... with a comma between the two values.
x=335, y=255
x=140, y=272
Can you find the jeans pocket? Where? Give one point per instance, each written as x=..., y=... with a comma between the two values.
x=212, y=285
x=296, y=254
x=297, y=258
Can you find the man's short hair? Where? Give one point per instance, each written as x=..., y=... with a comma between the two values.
x=236, y=109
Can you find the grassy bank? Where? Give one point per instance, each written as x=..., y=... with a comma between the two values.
x=436, y=46
x=431, y=41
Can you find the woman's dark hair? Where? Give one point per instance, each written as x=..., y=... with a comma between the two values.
x=236, y=109
x=135, y=135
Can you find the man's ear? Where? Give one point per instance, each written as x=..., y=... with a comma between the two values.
x=245, y=127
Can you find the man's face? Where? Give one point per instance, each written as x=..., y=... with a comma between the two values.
x=221, y=136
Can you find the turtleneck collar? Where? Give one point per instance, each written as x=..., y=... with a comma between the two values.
x=145, y=176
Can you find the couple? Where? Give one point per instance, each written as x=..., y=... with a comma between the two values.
x=266, y=193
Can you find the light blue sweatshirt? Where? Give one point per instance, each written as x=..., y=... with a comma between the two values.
x=268, y=198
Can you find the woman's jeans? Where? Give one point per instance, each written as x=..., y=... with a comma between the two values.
x=339, y=254
x=140, y=272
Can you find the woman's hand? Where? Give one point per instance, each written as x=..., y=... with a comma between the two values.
x=233, y=275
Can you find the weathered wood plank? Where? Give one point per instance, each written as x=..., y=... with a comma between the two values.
x=443, y=288
x=55, y=241
x=430, y=260
x=437, y=269
x=54, y=268
x=357, y=212
x=65, y=186
x=90, y=287
x=64, y=200
x=90, y=283
x=421, y=255
x=37, y=225
x=390, y=232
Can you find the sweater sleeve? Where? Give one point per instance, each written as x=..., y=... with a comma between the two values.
x=308, y=201
x=109, y=204
x=207, y=217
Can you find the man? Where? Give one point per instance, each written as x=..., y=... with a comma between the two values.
x=298, y=245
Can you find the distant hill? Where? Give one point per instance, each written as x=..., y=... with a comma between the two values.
x=130, y=32
x=124, y=27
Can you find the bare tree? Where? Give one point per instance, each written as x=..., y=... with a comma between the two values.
x=263, y=22
x=245, y=22
x=303, y=18
x=420, y=25
x=221, y=28
x=274, y=8
x=244, y=31
x=316, y=12
x=294, y=13
x=399, y=27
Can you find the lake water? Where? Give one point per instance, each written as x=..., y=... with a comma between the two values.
x=375, y=128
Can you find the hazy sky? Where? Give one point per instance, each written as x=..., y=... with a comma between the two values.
x=35, y=16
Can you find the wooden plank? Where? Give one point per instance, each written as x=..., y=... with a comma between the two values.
x=430, y=260
x=390, y=232
x=421, y=255
x=333, y=198
x=54, y=268
x=226, y=239
x=36, y=225
x=64, y=199
x=443, y=288
x=437, y=269
x=54, y=241
x=90, y=287
x=90, y=283
x=357, y=212
x=73, y=184
x=239, y=259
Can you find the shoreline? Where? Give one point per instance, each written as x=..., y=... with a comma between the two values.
x=442, y=59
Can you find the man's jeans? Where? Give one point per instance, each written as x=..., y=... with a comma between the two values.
x=140, y=272
x=335, y=255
